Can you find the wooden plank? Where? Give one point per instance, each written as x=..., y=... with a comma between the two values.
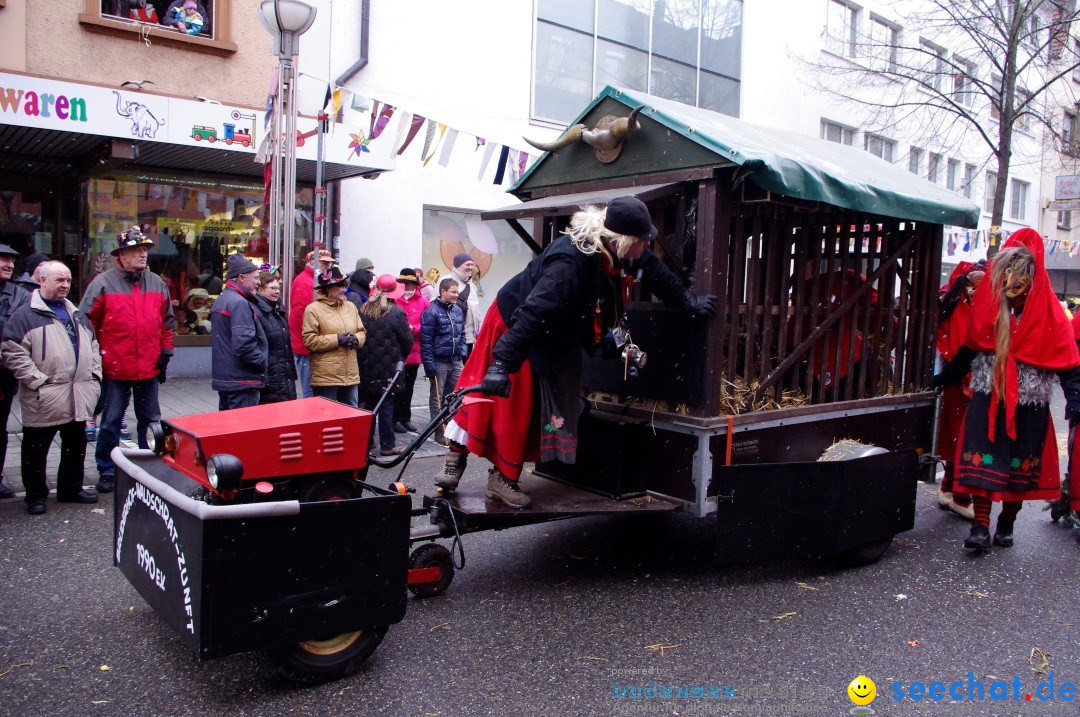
x=681, y=175
x=737, y=276
x=753, y=279
x=524, y=235
x=774, y=266
x=832, y=318
x=790, y=242
x=711, y=276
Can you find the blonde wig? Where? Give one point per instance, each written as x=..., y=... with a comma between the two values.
x=588, y=234
x=1008, y=268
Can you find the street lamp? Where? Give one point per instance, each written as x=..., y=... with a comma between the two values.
x=286, y=20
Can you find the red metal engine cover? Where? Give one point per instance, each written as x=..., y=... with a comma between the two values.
x=311, y=435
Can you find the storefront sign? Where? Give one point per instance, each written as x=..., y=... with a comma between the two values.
x=89, y=109
x=1067, y=187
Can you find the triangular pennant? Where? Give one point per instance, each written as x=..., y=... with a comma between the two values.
x=435, y=146
x=448, y=147
x=488, y=151
x=384, y=119
x=374, y=116
x=413, y=129
x=500, y=169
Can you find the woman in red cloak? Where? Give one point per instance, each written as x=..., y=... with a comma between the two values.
x=1018, y=337
x=954, y=308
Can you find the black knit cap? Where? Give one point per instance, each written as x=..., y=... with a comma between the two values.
x=238, y=265
x=630, y=216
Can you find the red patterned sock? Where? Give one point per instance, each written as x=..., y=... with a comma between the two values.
x=982, y=510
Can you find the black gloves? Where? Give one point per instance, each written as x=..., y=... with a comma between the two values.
x=348, y=341
x=163, y=365
x=700, y=306
x=496, y=381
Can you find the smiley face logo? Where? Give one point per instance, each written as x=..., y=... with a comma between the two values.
x=862, y=690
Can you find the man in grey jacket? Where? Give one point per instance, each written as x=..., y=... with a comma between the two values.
x=50, y=348
x=240, y=349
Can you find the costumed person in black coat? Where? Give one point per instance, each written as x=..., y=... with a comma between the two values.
x=1017, y=339
x=528, y=353
x=280, y=369
x=954, y=308
x=389, y=339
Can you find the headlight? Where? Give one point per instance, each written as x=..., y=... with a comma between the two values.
x=224, y=472
x=155, y=438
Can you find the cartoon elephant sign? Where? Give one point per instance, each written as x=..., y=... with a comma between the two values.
x=143, y=122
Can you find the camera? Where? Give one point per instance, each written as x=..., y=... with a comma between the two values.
x=634, y=358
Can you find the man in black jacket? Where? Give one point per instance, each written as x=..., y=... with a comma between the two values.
x=12, y=296
x=528, y=351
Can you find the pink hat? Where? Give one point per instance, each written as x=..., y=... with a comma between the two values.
x=386, y=282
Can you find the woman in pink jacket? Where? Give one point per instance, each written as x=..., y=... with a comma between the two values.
x=414, y=304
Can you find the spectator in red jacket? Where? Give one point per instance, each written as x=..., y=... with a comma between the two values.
x=302, y=293
x=414, y=303
x=131, y=311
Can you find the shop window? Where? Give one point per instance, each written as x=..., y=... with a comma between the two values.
x=194, y=22
x=195, y=225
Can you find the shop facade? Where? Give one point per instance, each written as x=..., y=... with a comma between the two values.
x=81, y=162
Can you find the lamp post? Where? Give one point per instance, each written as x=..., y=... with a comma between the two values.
x=286, y=21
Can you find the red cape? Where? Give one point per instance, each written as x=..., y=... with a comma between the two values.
x=952, y=332
x=1042, y=338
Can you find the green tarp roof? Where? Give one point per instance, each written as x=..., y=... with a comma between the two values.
x=803, y=167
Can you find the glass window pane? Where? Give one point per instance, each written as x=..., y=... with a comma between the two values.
x=719, y=94
x=625, y=21
x=991, y=192
x=721, y=37
x=675, y=30
x=674, y=81
x=563, y=72
x=577, y=14
x=621, y=66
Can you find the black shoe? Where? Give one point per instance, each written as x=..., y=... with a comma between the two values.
x=36, y=507
x=5, y=490
x=979, y=539
x=399, y=427
x=83, y=496
x=1003, y=535
x=106, y=484
x=410, y=426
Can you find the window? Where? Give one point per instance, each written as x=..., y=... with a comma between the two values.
x=963, y=82
x=991, y=192
x=1069, y=140
x=884, y=38
x=685, y=50
x=207, y=25
x=840, y=26
x=914, y=160
x=933, y=168
x=952, y=174
x=969, y=179
x=836, y=133
x=1076, y=51
x=1018, y=205
x=880, y=147
x=1064, y=220
x=1023, y=119
x=933, y=63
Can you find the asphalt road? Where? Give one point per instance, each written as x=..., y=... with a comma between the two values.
x=545, y=619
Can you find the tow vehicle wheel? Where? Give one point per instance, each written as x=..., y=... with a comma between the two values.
x=432, y=555
x=317, y=661
x=862, y=555
x=331, y=489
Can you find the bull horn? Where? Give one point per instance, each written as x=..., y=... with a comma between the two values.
x=622, y=126
x=570, y=136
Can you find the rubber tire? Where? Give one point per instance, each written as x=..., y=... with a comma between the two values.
x=319, y=661
x=429, y=556
x=331, y=489
x=862, y=555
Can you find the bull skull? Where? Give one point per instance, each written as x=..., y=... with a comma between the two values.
x=606, y=139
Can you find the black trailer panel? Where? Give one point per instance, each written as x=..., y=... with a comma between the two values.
x=816, y=508
x=236, y=578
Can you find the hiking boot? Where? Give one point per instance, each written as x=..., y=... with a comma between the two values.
x=410, y=427
x=393, y=451
x=978, y=539
x=508, y=491
x=452, y=470
x=1003, y=534
x=106, y=483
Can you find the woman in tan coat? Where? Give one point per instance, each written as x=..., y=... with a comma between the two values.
x=332, y=333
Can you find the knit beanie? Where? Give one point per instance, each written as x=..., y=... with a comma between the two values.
x=461, y=258
x=364, y=263
x=238, y=265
